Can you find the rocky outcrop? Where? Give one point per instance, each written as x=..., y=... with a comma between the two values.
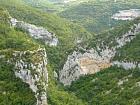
x=129, y=36
x=94, y=60
x=30, y=66
x=79, y=64
x=126, y=65
x=36, y=32
x=127, y=14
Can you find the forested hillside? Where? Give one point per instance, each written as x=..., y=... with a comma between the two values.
x=95, y=15
x=12, y=89
x=114, y=85
x=65, y=31
x=111, y=86
x=104, y=68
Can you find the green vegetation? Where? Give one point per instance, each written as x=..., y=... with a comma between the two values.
x=57, y=95
x=99, y=89
x=44, y=5
x=109, y=37
x=129, y=52
x=66, y=31
x=11, y=38
x=105, y=88
x=12, y=90
x=95, y=15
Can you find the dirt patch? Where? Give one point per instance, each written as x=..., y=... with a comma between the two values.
x=91, y=66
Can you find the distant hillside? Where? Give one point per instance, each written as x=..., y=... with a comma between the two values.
x=129, y=52
x=95, y=15
x=44, y=5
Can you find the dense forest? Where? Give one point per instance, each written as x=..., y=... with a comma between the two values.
x=95, y=15
x=111, y=86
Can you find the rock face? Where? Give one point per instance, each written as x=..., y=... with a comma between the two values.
x=129, y=36
x=93, y=61
x=126, y=65
x=127, y=14
x=36, y=32
x=81, y=64
x=30, y=66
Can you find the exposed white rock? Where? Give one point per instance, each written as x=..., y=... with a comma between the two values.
x=76, y=1
x=138, y=84
x=2, y=56
x=126, y=65
x=108, y=92
x=127, y=14
x=55, y=75
x=36, y=32
x=67, y=1
x=93, y=61
x=121, y=82
x=26, y=76
x=30, y=66
x=79, y=64
x=71, y=71
x=13, y=21
x=130, y=35
x=139, y=65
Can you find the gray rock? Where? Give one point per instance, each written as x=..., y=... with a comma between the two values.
x=30, y=66
x=36, y=32
x=126, y=65
x=92, y=61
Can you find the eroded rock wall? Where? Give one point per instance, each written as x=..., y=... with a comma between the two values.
x=79, y=64
x=36, y=32
x=126, y=64
x=94, y=60
x=30, y=66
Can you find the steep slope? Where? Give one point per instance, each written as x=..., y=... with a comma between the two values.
x=17, y=54
x=100, y=53
x=25, y=64
x=67, y=34
x=95, y=15
x=130, y=52
x=38, y=33
x=115, y=54
x=109, y=87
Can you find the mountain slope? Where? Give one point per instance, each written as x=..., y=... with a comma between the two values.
x=30, y=70
x=95, y=15
x=100, y=53
x=118, y=83
x=12, y=89
x=111, y=86
x=67, y=32
x=130, y=52
x=64, y=31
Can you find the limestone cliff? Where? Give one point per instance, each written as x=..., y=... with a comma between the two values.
x=126, y=64
x=36, y=32
x=96, y=59
x=30, y=66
